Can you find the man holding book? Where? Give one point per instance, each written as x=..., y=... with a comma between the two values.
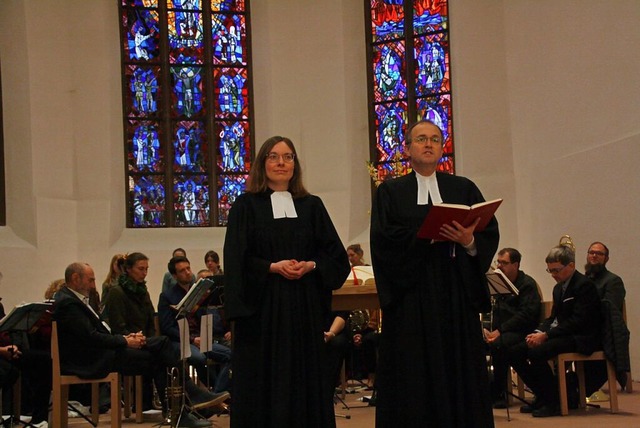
x=513, y=317
x=431, y=292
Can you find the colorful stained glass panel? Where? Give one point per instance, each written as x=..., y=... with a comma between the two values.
x=191, y=200
x=144, y=154
x=230, y=187
x=387, y=20
x=234, y=147
x=432, y=64
x=143, y=94
x=430, y=16
x=391, y=120
x=190, y=147
x=184, y=4
x=143, y=35
x=229, y=39
x=185, y=37
x=228, y=5
x=147, y=201
x=232, y=94
x=187, y=97
x=140, y=3
x=389, y=80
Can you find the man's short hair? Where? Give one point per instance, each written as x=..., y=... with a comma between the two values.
x=407, y=134
x=514, y=255
x=76, y=267
x=174, y=261
x=561, y=254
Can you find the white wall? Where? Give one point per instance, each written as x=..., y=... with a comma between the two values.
x=545, y=116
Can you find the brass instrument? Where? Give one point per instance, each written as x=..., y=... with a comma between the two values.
x=566, y=241
x=358, y=320
x=175, y=396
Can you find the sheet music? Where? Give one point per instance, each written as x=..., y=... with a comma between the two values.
x=185, y=343
x=500, y=284
x=206, y=333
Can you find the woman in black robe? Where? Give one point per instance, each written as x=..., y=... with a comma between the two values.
x=283, y=257
x=432, y=370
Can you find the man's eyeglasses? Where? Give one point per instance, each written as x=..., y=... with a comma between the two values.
x=556, y=270
x=596, y=253
x=503, y=263
x=422, y=139
x=275, y=158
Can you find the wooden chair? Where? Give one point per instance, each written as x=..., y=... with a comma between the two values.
x=578, y=360
x=132, y=391
x=61, y=390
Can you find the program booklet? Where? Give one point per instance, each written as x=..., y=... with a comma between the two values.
x=440, y=214
x=500, y=284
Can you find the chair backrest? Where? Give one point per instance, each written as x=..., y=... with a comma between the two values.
x=545, y=311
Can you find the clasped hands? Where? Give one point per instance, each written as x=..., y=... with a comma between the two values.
x=291, y=269
x=136, y=340
x=536, y=339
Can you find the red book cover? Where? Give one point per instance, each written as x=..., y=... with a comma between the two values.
x=440, y=214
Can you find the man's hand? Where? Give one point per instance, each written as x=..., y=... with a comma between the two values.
x=136, y=340
x=10, y=352
x=491, y=336
x=536, y=339
x=457, y=233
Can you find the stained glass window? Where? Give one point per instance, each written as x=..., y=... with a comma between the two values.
x=410, y=78
x=187, y=114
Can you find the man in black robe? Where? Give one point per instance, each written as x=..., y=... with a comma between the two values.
x=431, y=368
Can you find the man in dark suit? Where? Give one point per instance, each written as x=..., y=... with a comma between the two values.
x=89, y=350
x=574, y=326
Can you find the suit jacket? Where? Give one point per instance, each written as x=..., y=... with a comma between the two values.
x=610, y=287
x=578, y=314
x=87, y=348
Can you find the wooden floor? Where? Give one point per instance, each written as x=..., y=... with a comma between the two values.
x=362, y=416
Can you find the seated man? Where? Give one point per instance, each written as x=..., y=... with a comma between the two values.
x=514, y=316
x=89, y=349
x=336, y=342
x=574, y=326
x=180, y=268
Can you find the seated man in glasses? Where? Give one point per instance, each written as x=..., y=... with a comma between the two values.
x=574, y=326
x=513, y=317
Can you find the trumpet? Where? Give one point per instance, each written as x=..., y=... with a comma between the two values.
x=174, y=396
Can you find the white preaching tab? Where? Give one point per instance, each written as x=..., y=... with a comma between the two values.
x=428, y=186
x=282, y=205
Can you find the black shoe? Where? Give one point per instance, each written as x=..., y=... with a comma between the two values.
x=529, y=408
x=546, y=411
x=187, y=420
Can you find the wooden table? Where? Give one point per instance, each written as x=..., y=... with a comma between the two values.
x=351, y=297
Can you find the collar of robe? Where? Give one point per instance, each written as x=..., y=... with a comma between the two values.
x=428, y=186
x=282, y=205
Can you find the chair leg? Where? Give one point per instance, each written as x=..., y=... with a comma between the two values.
x=613, y=387
x=138, y=395
x=582, y=390
x=562, y=388
x=95, y=403
x=126, y=388
x=116, y=410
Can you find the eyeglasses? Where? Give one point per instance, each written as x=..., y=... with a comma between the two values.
x=596, y=253
x=275, y=158
x=422, y=139
x=503, y=263
x=556, y=270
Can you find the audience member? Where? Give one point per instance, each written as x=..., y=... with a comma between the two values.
x=514, y=316
x=336, y=343
x=168, y=280
x=115, y=270
x=573, y=326
x=282, y=258
x=180, y=268
x=356, y=255
x=212, y=262
x=610, y=288
x=431, y=293
x=221, y=330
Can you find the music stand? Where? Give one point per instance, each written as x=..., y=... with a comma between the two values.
x=26, y=318
x=500, y=285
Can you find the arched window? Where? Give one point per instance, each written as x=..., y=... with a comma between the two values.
x=188, y=125
x=409, y=78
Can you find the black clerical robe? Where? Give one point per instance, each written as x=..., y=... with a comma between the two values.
x=279, y=361
x=432, y=366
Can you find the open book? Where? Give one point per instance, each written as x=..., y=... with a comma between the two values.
x=500, y=284
x=440, y=214
x=195, y=296
x=360, y=275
